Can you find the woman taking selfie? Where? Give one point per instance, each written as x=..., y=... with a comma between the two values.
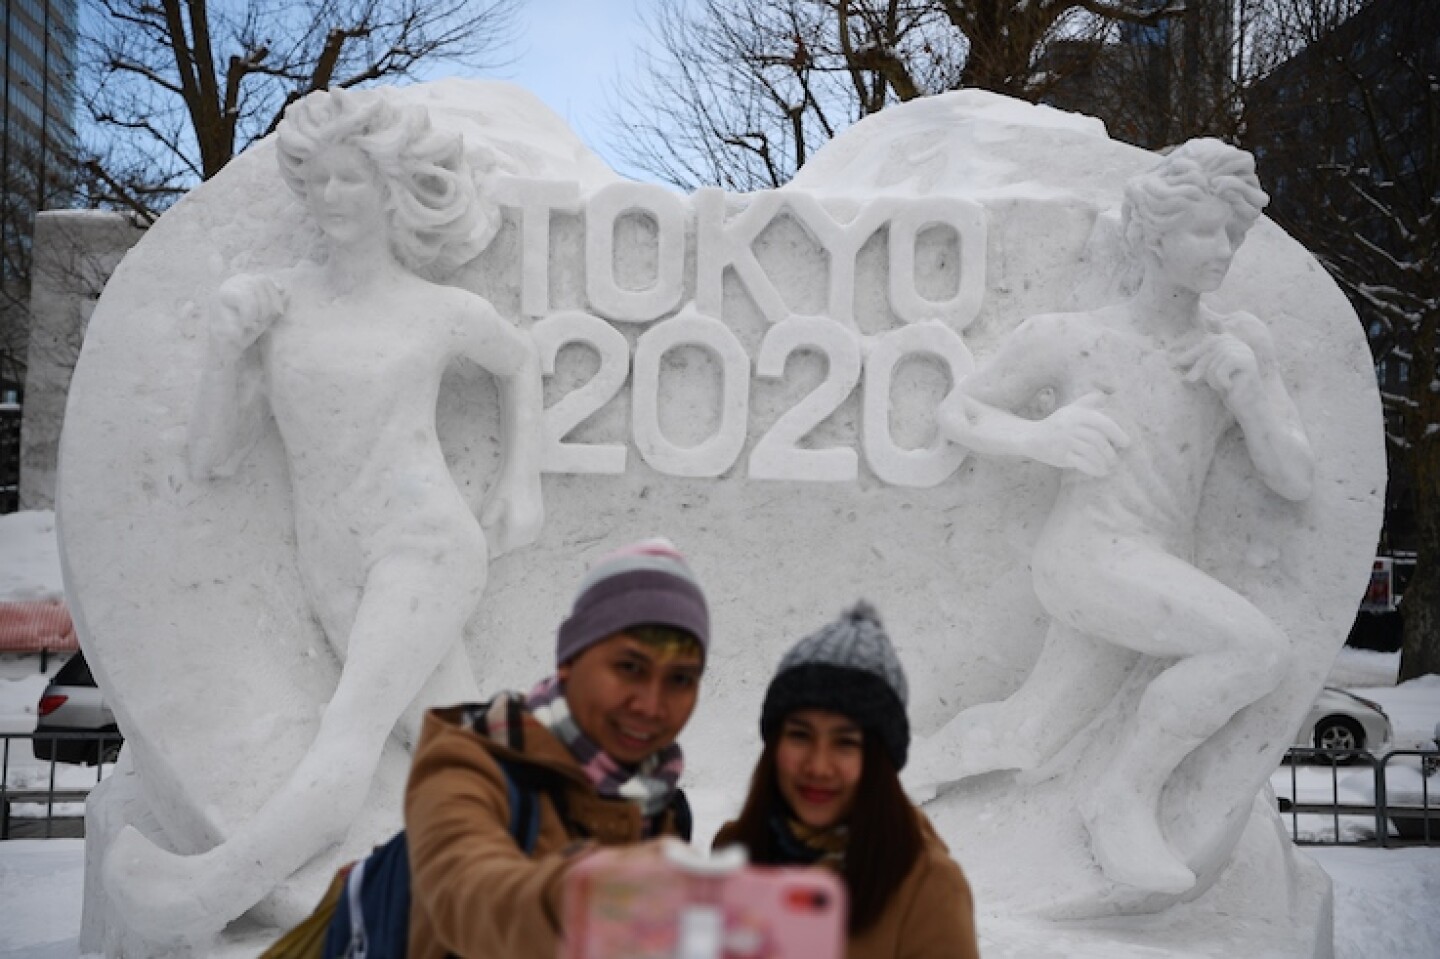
x=826, y=791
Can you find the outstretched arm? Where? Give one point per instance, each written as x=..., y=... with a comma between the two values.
x=514, y=509
x=479, y=893
x=977, y=413
x=229, y=406
x=1238, y=362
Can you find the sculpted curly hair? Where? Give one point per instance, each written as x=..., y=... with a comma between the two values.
x=1198, y=169
x=437, y=218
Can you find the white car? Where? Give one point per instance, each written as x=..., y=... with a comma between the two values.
x=1341, y=720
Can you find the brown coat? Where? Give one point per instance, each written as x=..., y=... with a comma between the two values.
x=475, y=894
x=931, y=915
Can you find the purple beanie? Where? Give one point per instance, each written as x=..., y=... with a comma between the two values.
x=644, y=584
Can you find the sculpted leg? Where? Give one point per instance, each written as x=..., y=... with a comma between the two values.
x=413, y=614
x=453, y=682
x=1074, y=676
x=1230, y=655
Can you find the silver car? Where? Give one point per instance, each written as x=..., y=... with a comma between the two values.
x=1341, y=720
x=73, y=704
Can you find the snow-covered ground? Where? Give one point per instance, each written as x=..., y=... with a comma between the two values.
x=29, y=559
x=1387, y=901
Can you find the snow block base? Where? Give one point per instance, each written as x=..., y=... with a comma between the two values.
x=1250, y=911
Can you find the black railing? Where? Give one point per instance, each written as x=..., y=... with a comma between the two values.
x=1396, y=801
x=1389, y=800
x=28, y=783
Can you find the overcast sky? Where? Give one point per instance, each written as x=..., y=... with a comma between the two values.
x=569, y=53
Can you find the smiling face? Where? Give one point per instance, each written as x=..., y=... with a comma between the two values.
x=819, y=756
x=630, y=697
x=344, y=194
x=1196, y=253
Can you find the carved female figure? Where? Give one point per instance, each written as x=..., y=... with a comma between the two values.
x=1144, y=391
x=348, y=355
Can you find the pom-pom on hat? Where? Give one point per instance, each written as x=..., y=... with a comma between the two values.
x=644, y=584
x=847, y=667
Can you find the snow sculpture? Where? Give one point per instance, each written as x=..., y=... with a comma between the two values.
x=759, y=378
x=349, y=354
x=1144, y=391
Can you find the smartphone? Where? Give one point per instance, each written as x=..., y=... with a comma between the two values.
x=684, y=905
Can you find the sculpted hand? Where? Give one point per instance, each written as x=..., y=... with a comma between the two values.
x=247, y=305
x=1225, y=362
x=1078, y=436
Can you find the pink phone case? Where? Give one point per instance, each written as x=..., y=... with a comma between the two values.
x=658, y=909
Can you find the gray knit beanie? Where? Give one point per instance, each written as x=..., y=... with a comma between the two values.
x=644, y=584
x=847, y=667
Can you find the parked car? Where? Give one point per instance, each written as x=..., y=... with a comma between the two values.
x=73, y=703
x=1341, y=720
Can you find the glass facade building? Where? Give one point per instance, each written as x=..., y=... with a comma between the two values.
x=37, y=140
x=38, y=114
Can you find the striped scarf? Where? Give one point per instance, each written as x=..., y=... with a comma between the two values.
x=649, y=785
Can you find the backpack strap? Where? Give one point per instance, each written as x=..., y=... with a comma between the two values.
x=347, y=935
x=373, y=912
x=359, y=945
x=524, y=802
x=681, y=815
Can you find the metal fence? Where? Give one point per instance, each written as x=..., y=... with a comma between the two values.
x=41, y=796
x=1352, y=798
x=1348, y=798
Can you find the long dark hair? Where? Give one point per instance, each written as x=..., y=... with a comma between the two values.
x=885, y=837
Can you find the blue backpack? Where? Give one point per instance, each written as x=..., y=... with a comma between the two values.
x=372, y=917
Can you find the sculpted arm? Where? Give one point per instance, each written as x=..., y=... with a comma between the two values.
x=514, y=511
x=978, y=412
x=1239, y=363
x=229, y=406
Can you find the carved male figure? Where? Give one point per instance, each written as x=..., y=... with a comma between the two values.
x=1144, y=390
x=348, y=355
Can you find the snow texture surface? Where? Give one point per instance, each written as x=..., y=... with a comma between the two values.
x=29, y=561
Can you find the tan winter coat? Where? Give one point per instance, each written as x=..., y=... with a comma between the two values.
x=931, y=915
x=474, y=893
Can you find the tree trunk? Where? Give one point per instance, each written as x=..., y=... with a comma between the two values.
x=1421, y=651
x=1421, y=603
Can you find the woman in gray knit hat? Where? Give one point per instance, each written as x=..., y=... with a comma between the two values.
x=827, y=791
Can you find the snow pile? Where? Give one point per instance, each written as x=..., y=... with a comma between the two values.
x=1387, y=902
x=29, y=558
x=1354, y=668
x=40, y=883
x=21, y=685
x=1413, y=708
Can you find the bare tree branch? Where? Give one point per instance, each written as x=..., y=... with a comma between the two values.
x=122, y=193
x=791, y=72
x=181, y=86
x=1350, y=132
